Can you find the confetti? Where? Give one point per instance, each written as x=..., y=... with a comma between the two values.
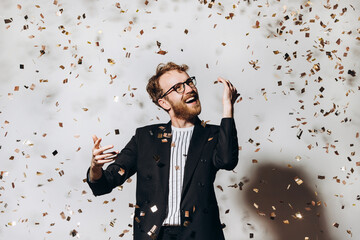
x=121, y=172
x=154, y=208
x=111, y=61
x=8, y=20
x=298, y=180
x=161, y=52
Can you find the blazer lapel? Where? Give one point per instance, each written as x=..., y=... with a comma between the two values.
x=197, y=142
x=163, y=141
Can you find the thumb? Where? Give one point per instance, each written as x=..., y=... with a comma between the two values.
x=95, y=138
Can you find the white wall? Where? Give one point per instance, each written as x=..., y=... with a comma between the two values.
x=31, y=206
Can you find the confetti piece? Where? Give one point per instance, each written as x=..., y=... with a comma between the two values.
x=161, y=52
x=298, y=215
x=298, y=180
x=352, y=73
x=154, y=208
x=111, y=61
x=187, y=214
x=9, y=20
x=257, y=25
x=152, y=230
x=13, y=223
x=121, y=172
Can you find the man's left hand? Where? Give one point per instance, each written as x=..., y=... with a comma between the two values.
x=229, y=97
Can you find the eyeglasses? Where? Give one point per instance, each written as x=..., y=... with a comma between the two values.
x=180, y=87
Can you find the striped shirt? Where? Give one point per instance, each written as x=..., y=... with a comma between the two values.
x=179, y=148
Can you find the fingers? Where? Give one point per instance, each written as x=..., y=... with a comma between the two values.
x=101, y=162
x=97, y=151
x=225, y=82
x=228, y=84
x=96, y=143
x=99, y=159
x=104, y=156
x=95, y=138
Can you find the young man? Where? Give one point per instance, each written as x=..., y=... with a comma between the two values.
x=175, y=163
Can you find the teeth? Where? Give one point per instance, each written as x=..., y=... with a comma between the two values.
x=190, y=99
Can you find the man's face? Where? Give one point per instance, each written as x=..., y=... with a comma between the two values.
x=177, y=102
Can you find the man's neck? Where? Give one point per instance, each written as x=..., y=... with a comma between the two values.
x=182, y=123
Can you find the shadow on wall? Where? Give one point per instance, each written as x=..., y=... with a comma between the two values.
x=286, y=203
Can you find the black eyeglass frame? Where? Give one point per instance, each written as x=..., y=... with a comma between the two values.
x=187, y=81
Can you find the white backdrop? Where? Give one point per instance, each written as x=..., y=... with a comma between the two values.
x=70, y=69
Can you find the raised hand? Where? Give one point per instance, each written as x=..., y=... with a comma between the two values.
x=230, y=95
x=99, y=158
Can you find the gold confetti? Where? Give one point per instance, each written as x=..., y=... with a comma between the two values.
x=298, y=180
x=187, y=214
x=121, y=172
x=298, y=215
x=257, y=24
x=111, y=61
x=161, y=52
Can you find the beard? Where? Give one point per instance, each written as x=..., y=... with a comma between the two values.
x=186, y=111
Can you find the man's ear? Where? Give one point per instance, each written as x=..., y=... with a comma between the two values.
x=164, y=104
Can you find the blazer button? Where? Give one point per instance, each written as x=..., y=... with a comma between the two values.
x=200, y=184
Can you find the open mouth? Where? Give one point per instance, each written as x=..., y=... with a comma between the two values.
x=191, y=100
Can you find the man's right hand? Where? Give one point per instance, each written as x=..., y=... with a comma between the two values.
x=99, y=158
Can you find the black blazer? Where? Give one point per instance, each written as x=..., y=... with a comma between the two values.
x=211, y=148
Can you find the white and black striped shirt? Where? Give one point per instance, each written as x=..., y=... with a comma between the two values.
x=179, y=148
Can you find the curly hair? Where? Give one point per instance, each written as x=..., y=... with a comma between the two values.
x=153, y=86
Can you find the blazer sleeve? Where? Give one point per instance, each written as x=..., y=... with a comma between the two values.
x=226, y=153
x=118, y=172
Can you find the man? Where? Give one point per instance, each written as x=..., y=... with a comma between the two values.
x=175, y=163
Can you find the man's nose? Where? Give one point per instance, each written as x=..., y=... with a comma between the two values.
x=188, y=88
